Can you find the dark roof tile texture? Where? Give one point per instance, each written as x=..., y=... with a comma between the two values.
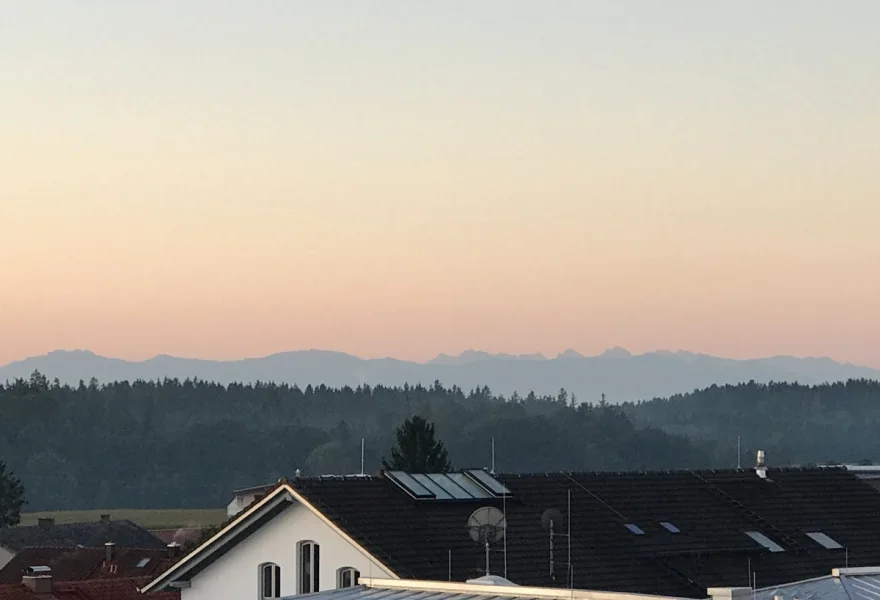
x=101, y=589
x=428, y=539
x=124, y=534
x=73, y=564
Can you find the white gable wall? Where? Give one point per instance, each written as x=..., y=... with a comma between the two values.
x=235, y=576
x=5, y=556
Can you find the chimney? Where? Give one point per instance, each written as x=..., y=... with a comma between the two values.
x=105, y=518
x=38, y=579
x=173, y=547
x=760, y=466
x=46, y=522
x=109, y=551
x=735, y=593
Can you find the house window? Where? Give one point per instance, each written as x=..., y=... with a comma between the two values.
x=309, y=567
x=270, y=581
x=347, y=577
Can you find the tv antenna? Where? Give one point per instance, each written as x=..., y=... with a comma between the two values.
x=486, y=525
x=553, y=521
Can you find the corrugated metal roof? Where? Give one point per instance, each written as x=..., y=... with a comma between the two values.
x=845, y=587
x=362, y=592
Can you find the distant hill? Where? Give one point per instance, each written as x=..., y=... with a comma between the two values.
x=621, y=376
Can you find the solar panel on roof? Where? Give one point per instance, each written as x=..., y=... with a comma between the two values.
x=824, y=540
x=470, y=487
x=490, y=483
x=765, y=541
x=449, y=486
x=412, y=487
x=427, y=482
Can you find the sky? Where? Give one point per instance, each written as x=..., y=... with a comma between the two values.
x=222, y=179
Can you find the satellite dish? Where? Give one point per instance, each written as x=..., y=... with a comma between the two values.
x=551, y=515
x=486, y=524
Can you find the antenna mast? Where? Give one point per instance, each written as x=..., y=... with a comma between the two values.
x=570, y=566
x=492, y=471
x=738, y=448
x=362, y=456
x=504, y=510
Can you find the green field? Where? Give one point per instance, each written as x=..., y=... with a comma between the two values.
x=149, y=518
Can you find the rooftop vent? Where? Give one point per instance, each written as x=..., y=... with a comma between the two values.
x=490, y=580
x=760, y=465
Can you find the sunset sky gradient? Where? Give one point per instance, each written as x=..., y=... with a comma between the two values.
x=224, y=179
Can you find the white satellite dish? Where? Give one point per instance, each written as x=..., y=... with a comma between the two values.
x=486, y=525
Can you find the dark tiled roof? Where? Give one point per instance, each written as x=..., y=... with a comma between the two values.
x=712, y=509
x=73, y=564
x=100, y=589
x=124, y=534
x=180, y=535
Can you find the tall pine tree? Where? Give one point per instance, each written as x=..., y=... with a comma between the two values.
x=418, y=450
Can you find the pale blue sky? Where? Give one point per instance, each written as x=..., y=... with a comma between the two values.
x=684, y=174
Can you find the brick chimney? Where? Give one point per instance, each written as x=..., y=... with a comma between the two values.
x=38, y=579
x=46, y=522
x=109, y=551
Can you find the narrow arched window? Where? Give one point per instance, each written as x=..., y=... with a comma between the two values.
x=347, y=577
x=270, y=581
x=309, y=560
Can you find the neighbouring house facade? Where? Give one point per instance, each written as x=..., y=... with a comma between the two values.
x=48, y=533
x=301, y=552
x=244, y=497
x=672, y=534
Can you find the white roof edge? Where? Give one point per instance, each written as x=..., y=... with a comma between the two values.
x=159, y=582
x=855, y=571
x=501, y=590
x=283, y=490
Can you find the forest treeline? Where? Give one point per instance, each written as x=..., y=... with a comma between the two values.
x=175, y=443
x=794, y=424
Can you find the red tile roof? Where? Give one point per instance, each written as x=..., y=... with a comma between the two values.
x=73, y=564
x=95, y=589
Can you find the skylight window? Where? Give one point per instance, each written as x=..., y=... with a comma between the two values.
x=670, y=527
x=634, y=528
x=765, y=541
x=143, y=563
x=824, y=540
